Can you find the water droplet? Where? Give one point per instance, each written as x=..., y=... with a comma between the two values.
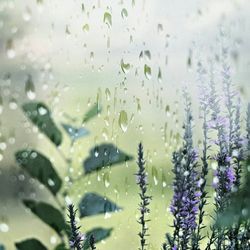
x=30, y=88
x=125, y=67
x=164, y=180
x=147, y=71
x=147, y=54
x=141, y=55
x=108, y=94
x=189, y=60
x=123, y=121
x=159, y=28
x=53, y=240
x=167, y=110
x=107, y=18
x=42, y=110
x=4, y=228
x=10, y=50
x=244, y=212
x=13, y=104
x=124, y=13
x=51, y=182
x=106, y=180
x=85, y=28
x=105, y=134
x=159, y=77
x=67, y=31
x=27, y=14
x=155, y=175
x=96, y=151
x=91, y=55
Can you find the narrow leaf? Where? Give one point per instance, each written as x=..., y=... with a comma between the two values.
x=40, y=115
x=104, y=155
x=91, y=113
x=99, y=235
x=48, y=214
x=40, y=168
x=93, y=204
x=30, y=244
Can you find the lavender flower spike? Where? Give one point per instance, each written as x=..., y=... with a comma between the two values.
x=77, y=238
x=184, y=206
x=141, y=177
x=205, y=112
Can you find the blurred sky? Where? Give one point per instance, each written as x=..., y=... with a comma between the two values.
x=72, y=53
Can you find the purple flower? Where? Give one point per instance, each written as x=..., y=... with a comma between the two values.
x=185, y=202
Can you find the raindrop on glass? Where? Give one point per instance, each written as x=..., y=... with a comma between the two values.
x=107, y=18
x=30, y=88
x=124, y=13
x=13, y=104
x=85, y=28
x=10, y=50
x=123, y=121
x=147, y=71
x=125, y=67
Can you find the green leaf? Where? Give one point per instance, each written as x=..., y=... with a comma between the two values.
x=91, y=113
x=30, y=244
x=40, y=115
x=2, y=247
x=75, y=133
x=40, y=168
x=93, y=204
x=99, y=235
x=104, y=155
x=48, y=214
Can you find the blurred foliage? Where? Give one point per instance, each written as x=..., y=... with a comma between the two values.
x=238, y=212
x=40, y=168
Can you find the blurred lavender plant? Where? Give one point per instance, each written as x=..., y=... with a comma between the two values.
x=141, y=177
x=223, y=179
x=204, y=115
x=237, y=145
x=248, y=129
x=76, y=238
x=184, y=205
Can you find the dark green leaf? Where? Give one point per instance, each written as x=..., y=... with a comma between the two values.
x=48, y=214
x=2, y=247
x=99, y=235
x=40, y=168
x=104, y=155
x=91, y=113
x=30, y=244
x=40, y=115
x=92, y=204
x=75, y=133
